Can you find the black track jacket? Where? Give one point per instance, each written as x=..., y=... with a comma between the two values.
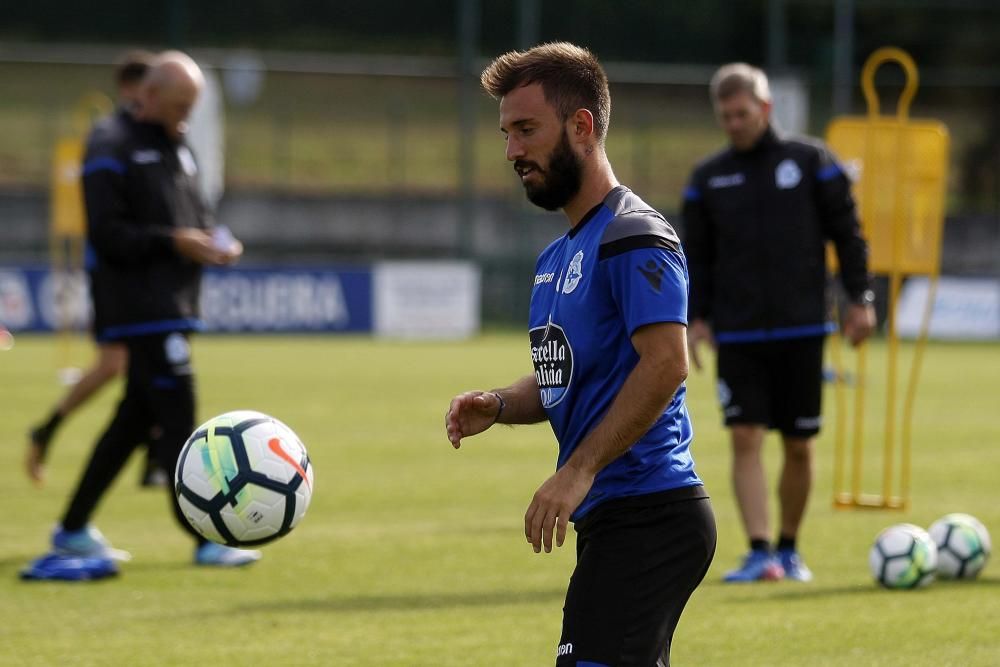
x=756, y=223
x=139, y=186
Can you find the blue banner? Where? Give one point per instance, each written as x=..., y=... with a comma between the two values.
x=243, y=299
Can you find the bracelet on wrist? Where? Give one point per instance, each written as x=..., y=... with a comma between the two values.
x=503, y=404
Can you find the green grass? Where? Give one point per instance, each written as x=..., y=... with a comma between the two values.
x=413, y=554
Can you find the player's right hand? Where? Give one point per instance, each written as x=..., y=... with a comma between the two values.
x=470, y=413
x=699, y=331
x=199, y=246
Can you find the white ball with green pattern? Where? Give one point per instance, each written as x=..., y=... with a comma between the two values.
x=903, y=556
x=963, y=545
x=243, y=478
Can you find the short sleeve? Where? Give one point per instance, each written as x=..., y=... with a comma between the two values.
x=649, y=284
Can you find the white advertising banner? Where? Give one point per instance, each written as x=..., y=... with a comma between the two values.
x=964, y=308
x=426, y=299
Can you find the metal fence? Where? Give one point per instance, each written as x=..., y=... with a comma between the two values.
x=313, y=123
x=307, y=128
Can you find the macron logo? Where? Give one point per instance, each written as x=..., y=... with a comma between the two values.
x=653, y=273
x=564, y=649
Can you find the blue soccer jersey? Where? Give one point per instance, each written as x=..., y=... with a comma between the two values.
x=621, y=267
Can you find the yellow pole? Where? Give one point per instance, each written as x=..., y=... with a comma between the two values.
x=840, y=426
x=880, y=57
x=857, y=472
x=911, y=389
x=67, y=226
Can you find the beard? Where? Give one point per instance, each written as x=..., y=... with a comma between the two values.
x=560, y=182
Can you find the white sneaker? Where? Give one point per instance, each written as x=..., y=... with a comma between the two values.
x=219, y=555
x=88, y=542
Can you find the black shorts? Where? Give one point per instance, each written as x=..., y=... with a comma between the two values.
x=777, y=384
x=638, y=561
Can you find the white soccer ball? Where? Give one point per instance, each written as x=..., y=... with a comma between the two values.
x=243, y=478
x=963, y=545
x=903, y=556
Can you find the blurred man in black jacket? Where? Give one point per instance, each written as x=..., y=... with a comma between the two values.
x=757, y=217
x=147, y=223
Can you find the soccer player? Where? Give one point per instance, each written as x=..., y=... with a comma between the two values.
x=112, y=356
x=757, y=217
x=147, y=223
x=607, y=339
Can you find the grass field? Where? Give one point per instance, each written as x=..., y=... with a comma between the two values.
x=413, y=554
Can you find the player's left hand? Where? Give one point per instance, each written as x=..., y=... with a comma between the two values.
x=552, y=504
x=859, y=322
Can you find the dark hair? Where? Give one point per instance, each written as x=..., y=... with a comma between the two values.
x=132, y=67
x=570, y=76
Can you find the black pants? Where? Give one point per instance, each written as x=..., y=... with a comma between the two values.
x=637, y=566
x=159, y=391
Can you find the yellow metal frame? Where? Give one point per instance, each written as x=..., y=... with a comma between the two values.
x=897, y=263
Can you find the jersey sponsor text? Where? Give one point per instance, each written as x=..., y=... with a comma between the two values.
x=541, y=278
x=552, y=358
x=726, y=181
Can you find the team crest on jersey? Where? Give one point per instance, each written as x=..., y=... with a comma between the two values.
x=574, y=273
x=552, y=356
x=787, y=175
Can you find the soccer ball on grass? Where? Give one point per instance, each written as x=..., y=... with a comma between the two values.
x=903, y=556
x=963, y=545
x=243, y=478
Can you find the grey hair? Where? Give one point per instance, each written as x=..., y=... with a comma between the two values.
x=737, y=78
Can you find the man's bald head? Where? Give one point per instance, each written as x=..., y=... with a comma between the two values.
x=169, y=91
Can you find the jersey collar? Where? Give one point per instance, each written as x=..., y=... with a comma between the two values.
x=593, y=212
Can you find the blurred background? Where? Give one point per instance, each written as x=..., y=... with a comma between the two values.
x=342, y=134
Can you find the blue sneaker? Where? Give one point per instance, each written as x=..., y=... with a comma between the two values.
x=60, y=567
x=793, y=566
x=757, y=566
x=219, y=555
x=88, y=542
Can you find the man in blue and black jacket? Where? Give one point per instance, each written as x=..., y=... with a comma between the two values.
x=757, y=217
x=148, y=226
